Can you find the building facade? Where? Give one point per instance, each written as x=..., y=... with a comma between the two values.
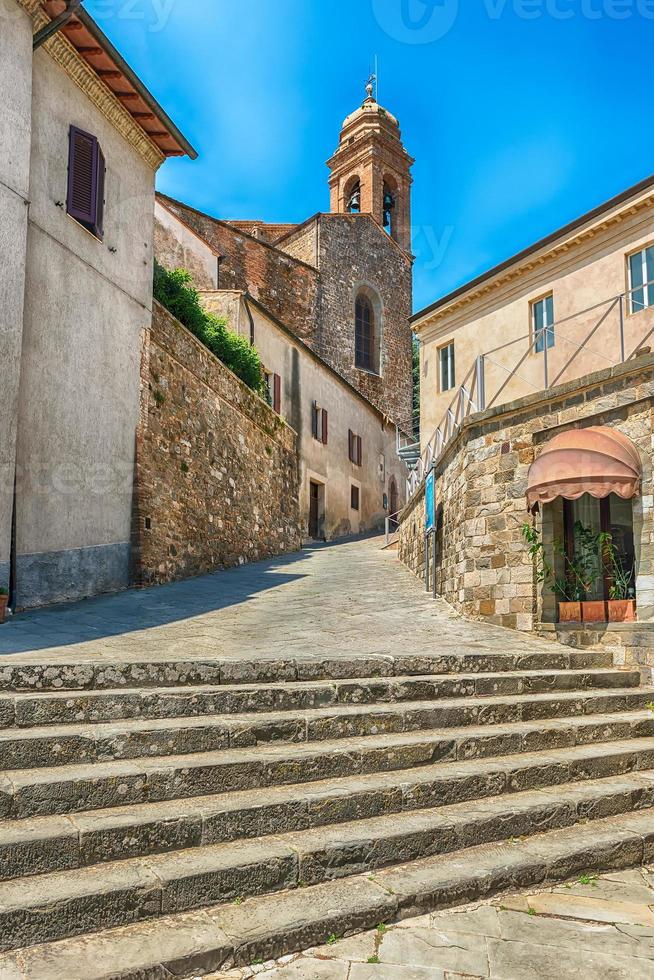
x=82, y=141
x=543, y=465
x=577, y=302
x=327, y=303
x=351, y=477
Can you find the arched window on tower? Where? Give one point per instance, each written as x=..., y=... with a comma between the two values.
x=366, y=334
x=353, y=197
x=389, y=210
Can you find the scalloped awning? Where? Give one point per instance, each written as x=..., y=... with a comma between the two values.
x=598, y=461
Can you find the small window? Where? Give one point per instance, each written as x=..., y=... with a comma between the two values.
x=448, y=374
x=354, y=497
x=641, y=279
x=542, y=323
x=319, y=423
x=86, y=178
x=268, y=378
x=355, y=448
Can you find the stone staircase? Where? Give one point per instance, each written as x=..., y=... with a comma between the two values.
x=168, y=818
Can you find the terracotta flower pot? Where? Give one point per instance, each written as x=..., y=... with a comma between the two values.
x=569, y=612
x=4, y=599
x=622, y=610
x=594, y=611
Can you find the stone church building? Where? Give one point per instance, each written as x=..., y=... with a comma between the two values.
x=327, y=302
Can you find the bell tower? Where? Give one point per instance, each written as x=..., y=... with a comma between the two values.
x=371, y=170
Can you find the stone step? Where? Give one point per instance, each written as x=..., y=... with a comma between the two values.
x=59, y=905
x=45, y=844
x=32, y=674
x=92, y=786
x=61, y=707
x=269, y=926
x=62, y=745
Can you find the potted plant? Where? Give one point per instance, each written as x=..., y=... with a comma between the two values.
x=622, y=595
x=4, y=599
x=581, y=571
x=566, y=588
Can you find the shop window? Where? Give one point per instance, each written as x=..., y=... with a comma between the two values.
x=584, y=520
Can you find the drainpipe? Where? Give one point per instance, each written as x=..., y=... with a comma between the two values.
x=250, y=317
x=55, y=25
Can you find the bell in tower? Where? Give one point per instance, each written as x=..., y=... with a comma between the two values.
x=354, y=201
x=371, y=170
x=389, y=204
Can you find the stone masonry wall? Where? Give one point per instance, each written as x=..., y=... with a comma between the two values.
x=216, y=480
x=303, y=243
x=486, y=571
x=355, y=252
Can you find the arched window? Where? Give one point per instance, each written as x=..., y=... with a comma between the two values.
x=365, y=339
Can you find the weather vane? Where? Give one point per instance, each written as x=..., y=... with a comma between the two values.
x=372, y=85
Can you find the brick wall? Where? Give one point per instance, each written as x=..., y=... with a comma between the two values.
x=285, y=286
x=216, y=480
x=485, y=569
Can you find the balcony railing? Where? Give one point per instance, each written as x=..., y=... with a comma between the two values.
x=489, y=382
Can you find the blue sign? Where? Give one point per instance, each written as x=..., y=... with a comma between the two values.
x=430, y=501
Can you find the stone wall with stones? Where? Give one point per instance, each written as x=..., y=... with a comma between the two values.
x=302, y=243
x=355, y=252
x=484, y=567
x=216, y=479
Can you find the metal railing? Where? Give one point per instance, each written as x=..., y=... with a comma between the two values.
x=472, y=394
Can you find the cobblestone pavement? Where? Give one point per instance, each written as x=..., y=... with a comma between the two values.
x=329, y=600
x=599, y=927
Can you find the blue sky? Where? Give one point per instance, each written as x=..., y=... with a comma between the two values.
x=521, y=114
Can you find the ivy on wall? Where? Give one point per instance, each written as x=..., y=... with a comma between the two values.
x=174, y=290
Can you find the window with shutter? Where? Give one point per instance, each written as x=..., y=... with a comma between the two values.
x=315, y=414
x=86, y=179
x=359, y=459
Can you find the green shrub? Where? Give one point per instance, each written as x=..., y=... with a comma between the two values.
x=174, y=290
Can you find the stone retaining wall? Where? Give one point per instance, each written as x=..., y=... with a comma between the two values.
x=216, y=479
x=484, y=568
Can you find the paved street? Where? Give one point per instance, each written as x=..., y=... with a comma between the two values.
x=330, y=600
x=600, y=927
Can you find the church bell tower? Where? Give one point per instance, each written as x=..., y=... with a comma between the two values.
x=371, y=170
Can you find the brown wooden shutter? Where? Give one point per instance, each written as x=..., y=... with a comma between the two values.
x=350, y=445
x=82, y=176
x=99, y=212
x=325, y=427
x=86, y=181
x=314, y=420
x=277, y=394
x=359, y=451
